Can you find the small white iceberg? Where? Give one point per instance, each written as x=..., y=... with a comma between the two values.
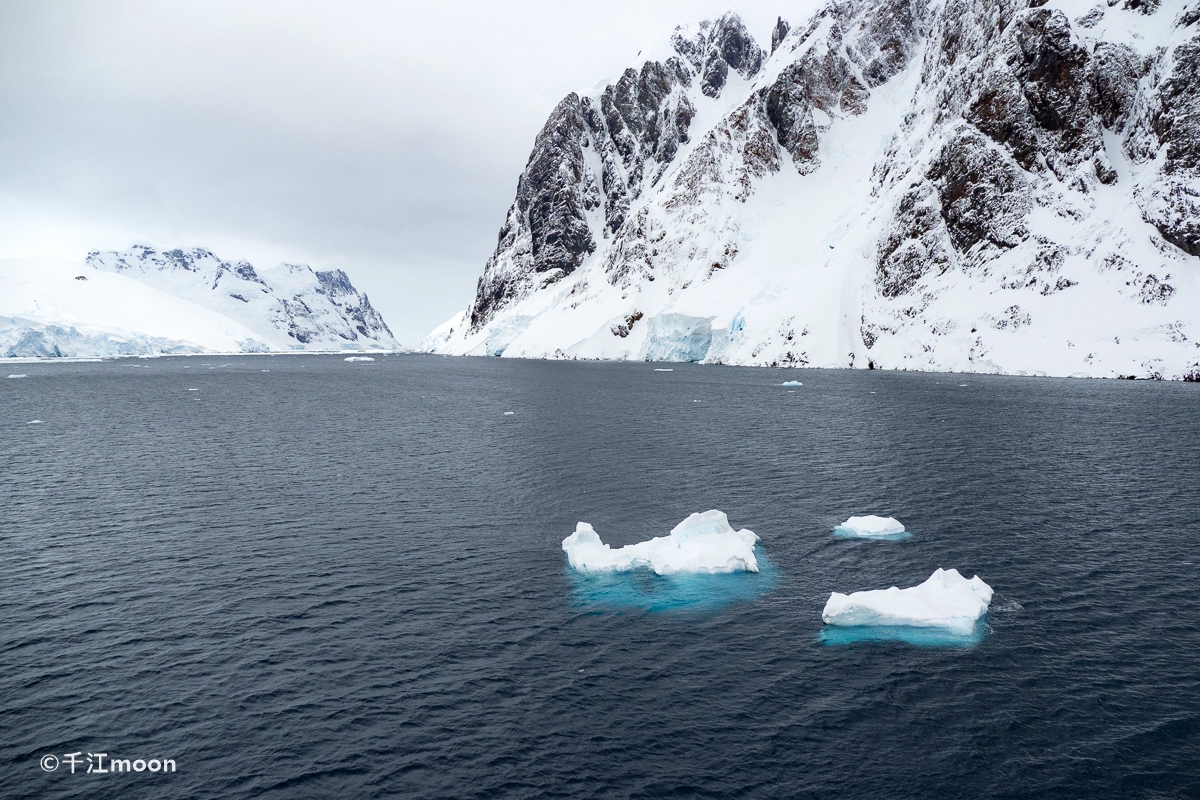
x=34, y=422
x=702, y=543
x=791, y=383
x=509, y=413
x=869, y=526
x=660, y=369
x=947, y=600
x=358, y=358
x=22, y=375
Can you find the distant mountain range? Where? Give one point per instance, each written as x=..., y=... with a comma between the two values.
x=143, y=301
x=969, y=185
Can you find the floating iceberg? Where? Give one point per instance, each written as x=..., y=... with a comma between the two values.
x=870, y=526
x=351, y=358
x=947, y=600
x=34, y=422
x=791, y=383
x=22, y=375
x=702, y=543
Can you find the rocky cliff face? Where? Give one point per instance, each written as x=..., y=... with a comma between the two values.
x=1003, y=186
x=290, y=307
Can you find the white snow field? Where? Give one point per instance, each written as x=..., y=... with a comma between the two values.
x=870, y=526
x=702, y=543
x=47, y=310
x=947, y=600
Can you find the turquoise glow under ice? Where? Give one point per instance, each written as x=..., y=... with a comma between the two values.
x=838, y=635
x=846, y=533
x=642, y=589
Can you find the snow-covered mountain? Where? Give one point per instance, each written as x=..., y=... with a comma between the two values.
x=142, y=301
x=970, y=185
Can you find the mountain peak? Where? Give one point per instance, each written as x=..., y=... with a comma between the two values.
x=980, y=186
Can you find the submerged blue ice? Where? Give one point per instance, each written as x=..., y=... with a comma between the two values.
x=643, y=590
x=838, y=635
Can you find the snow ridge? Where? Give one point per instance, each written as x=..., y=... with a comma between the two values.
x=291, y=307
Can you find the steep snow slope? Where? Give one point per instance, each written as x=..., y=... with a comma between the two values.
x=51, y=307
x=291, y=307
x=961, y=185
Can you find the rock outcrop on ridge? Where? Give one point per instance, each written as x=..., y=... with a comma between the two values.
x=1001, y=186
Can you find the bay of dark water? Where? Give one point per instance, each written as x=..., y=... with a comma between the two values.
x=337, y=579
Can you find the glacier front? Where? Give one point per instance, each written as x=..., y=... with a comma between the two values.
x=703, y=543
x=946, y=600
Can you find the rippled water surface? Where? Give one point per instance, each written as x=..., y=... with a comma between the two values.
x=337, y=579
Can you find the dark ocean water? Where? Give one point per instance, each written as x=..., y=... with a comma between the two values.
x=345, y=580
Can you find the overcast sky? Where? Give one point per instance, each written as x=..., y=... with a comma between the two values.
x=382, y=138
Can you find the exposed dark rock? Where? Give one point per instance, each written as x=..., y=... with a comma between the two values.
x=1178, y=123
x=1145, y=6
x=916, y=242
x=732, y=42
x=1117, y=70
x=1039, y=102
x=790, y=113
x=546, y=228
x=984, y=197
x=1174, y=207
x=716, y=72
x=1091, y=18
x=781, y=30
x=890, y=35
x=821, y=79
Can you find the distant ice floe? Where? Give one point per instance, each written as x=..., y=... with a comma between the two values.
x=947, y=601
x=358, y=358
x=34, y=422
x=871, y=527
x=509, y=413
x=22, y=375
x=660, y=369
x=791, y=383
x=703, y=543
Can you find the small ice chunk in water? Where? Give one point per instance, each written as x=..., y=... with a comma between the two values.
x=22, y=375
x=34, y=422
x=663, y=370
x=358, y=358
x=791, y=383
x=702, y=543
x=509, y=413
x=870, y=525
x=946, y=600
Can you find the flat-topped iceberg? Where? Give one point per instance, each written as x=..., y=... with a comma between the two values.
x=870, y=526
x=947, y=600
x=702, y=543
